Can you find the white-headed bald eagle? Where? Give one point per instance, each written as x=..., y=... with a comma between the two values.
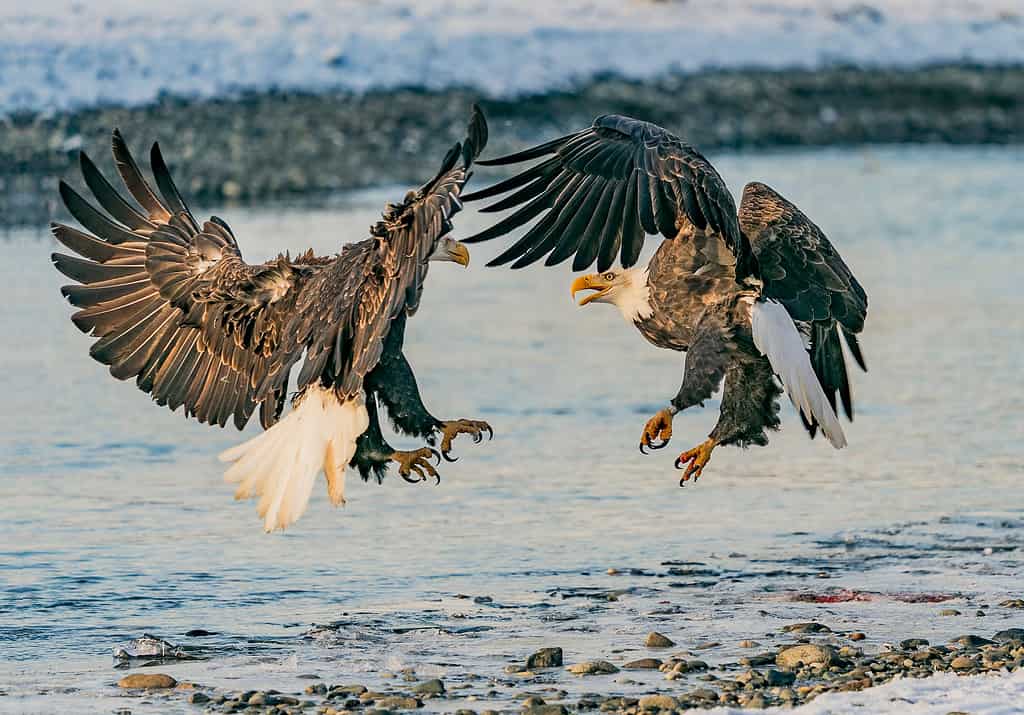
x=174, y=306
x=746, y=294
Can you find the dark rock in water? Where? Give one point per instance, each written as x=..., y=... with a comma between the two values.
x=199, y=633
x=752, y=661
x=430, y=687
x=547, y=709
x=149, y=646
x=198, y=698
x=1013, y=603
x=913, y=643
x=972, y=641
x=778, y=677
x=949, y=612
x=1010, y=634
x=643, y=664
x=146, y=681
x=545, y=658
x=857, y=636
x=963, y=662
x=483, y=599
x=657, y=640
x=806, y=628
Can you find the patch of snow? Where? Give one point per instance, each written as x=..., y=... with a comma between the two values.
x=938, y=695
x=58, y=54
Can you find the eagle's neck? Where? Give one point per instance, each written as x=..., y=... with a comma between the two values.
x=634, y=299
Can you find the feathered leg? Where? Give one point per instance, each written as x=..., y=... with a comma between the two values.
x=373, y=453
x=394, y=383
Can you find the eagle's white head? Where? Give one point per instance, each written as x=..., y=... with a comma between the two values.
x=626, y=288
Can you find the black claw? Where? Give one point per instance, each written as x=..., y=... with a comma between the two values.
x=664, y=443
x=642, y=451
x=437, y=455
x=409, y=478
x=437, y=479
x=478, y=437
x=448, y=458
x=490, y=432
x=679, y=463
x=682, y=482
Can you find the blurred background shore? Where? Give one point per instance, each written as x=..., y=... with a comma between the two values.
x=288, y=144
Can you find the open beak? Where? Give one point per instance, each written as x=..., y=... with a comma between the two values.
x=458, y=253
x=594, y=282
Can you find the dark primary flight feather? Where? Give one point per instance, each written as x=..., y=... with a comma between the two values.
x=603, y=189
x=173, y=305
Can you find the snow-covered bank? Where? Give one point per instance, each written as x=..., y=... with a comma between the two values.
x=60, y=54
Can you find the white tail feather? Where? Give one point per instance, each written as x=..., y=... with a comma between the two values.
x=280, y=465
x=776, y=336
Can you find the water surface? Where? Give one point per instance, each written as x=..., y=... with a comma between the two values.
x=117, y=522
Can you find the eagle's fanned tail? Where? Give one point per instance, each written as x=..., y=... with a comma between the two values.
x=777, y=337
x=280, y=465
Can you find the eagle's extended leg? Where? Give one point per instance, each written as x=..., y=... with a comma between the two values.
x=706, y=363
x=394, y=382
x=749, y=407
x=373, y=453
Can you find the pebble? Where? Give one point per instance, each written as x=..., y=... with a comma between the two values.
x=658, y=702
x=1013, y=603
x=398, y=702
x=857, y=636
x=548, y=709
x=658, y=640
x=949, y=612
x=545, y=658
x=972, y=641
x=1010, y=634
x=592, y=667
x=963, y=662
x=643, y=664
x=748, y=644
x=147, y=681
x=913, y=643
x=811, y=627
x=807, y=654
x=430, y=687
x=780, y=677
x=198, y=698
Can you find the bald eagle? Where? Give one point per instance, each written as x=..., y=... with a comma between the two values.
x=747, y=295
x=174, y=306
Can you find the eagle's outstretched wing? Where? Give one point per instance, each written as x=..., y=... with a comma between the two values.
x=343, y=315
x=170, y=300
x=603, y=190
x=801, y=269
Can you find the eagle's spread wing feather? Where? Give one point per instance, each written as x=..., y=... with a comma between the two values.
x=801, y=269
x=171, y=302
x=603, y=190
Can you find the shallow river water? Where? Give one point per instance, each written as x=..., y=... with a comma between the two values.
x=116, y=522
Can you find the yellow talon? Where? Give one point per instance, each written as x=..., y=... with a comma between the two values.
x=698, y=457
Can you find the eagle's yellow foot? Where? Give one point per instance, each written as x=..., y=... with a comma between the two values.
x=698, y=457
x=417, y=461
x=450, y=430
x=658, y=427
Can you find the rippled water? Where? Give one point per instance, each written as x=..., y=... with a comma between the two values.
x=116, y=521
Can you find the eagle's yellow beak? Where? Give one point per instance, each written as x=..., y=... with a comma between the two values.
x=593, y=281
x=458, y=253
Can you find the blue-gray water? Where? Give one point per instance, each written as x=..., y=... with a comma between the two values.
x=116, y=522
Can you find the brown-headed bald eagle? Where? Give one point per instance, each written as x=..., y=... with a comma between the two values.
x=174, y=306
x=745, y=294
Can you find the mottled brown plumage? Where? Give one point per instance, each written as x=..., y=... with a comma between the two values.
x=604, y=188
x=172, y=303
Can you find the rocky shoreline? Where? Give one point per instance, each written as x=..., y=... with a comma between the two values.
x=815, y=661
x=274, y=145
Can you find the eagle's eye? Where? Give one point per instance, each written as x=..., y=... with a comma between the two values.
x=609, y=276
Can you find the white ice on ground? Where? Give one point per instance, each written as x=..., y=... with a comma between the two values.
x=57, y=54
x=937, y=695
